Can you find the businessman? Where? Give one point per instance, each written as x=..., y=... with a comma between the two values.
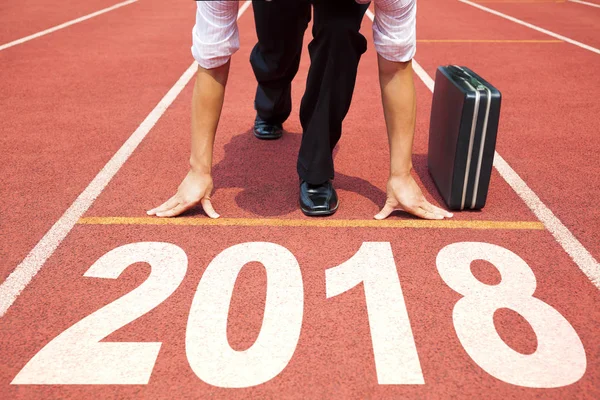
x=335, y=51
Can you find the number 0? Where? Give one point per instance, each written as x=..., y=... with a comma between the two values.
x=208, y=351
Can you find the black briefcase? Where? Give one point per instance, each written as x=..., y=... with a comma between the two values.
x=462, y=136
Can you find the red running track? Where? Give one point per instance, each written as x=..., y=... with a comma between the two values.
x=334, y=356
x=75, y=96
x=573, y=20
x=17, y=20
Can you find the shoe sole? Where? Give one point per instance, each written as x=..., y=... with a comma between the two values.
x=268, y=137
x=320, y=213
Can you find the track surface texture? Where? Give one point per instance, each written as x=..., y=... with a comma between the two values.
x=267, y=303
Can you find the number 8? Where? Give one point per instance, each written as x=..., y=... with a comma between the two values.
x=559, y=359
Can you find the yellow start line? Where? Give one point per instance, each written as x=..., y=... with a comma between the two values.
x=317, y=223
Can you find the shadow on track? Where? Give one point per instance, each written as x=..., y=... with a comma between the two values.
x=266, y=173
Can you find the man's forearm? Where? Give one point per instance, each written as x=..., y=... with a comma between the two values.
x=399, y=108
x=207, y=103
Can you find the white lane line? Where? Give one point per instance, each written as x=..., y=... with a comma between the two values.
x=584, y=260
x=580, y=255
x=66, y=24
x=421, y=73
x=243, y=8
x=537, y=28
x=30, y=266
x=585, y=3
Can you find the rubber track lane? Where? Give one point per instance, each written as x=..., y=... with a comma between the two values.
x=575, y=21
x=73, y=97
x=19, y=19
x=334, y=357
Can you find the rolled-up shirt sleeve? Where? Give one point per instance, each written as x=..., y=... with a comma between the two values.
x=215, y=37
x=394, y=29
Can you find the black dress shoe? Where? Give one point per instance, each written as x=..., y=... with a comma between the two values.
x=318, y=200
x=265, y=130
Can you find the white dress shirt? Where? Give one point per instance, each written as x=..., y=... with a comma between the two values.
x=216, y=35
x=394, y=28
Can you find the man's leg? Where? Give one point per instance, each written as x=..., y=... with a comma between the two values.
x=280, y=27
x=335, y=51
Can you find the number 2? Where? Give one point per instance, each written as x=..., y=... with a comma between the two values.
x=76, y=356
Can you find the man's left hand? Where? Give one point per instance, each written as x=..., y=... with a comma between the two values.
x=404, y=194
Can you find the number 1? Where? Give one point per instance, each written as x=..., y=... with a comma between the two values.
x=396, y=358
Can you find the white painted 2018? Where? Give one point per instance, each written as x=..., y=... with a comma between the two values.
x=77, y=356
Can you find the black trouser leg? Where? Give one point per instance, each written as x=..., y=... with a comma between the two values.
x=280, y=27
x=335, y=51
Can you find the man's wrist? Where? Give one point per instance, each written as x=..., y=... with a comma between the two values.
x=400, y=175
x=400, y=171
x=200, y=166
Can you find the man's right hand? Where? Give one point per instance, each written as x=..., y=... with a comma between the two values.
x=195, y=188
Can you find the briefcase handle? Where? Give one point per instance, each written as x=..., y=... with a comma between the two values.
x=459, y=72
